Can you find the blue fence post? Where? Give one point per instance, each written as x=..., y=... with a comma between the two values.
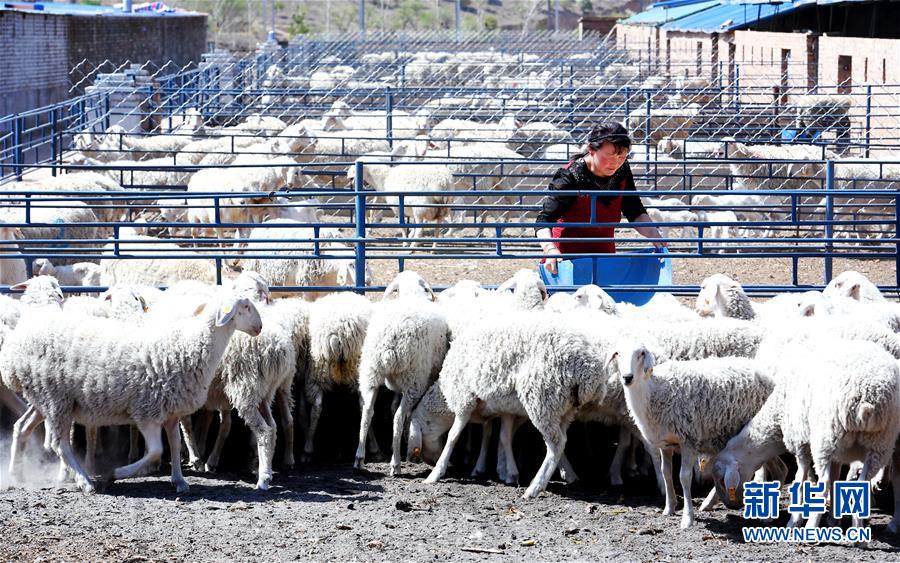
x=218, y=216
x=829, y=217
x=647, y=135
x=627, y=103
x=868, y=117
x=106, y=111
x=54, y=142
x=18, y=154
x=897, y=238
x=737, y=87
x=389, y=112
x=360, y=209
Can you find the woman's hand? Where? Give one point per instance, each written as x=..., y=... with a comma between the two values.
x=550, y=262
x=651, y=233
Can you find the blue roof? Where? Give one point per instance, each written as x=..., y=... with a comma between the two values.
x=83, y=9
x=663, y=12
x=728, y=17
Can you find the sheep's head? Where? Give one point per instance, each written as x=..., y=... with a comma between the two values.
x=462, y=290
x=712, y=301
x=409, y=285
x=40, y=291
x=124, y=302
x=729, y=478
x=850, y=284
x=809, y=304
x=594, y=298
x=42, y=267
x=633, y=362
x=528, y=288
x=240, y=311
x=425, y=433
x=252, y=285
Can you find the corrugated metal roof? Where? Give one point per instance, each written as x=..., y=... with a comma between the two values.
x=727, y=17
x=669, y=11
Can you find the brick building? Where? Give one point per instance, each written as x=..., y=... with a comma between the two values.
x=40, y=43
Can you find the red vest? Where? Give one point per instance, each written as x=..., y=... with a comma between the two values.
x=580, y=212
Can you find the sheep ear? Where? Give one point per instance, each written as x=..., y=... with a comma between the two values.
x=649, y=362
x=854, y=291
x=21, y=286
x=390, y=290
x=610, y=358
x=199, y=309
x=507, y=285
x=107, y=296
x=429, y=290
x=225, y=313
x=544, y=294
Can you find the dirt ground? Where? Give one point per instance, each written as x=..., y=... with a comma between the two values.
x=330, y=512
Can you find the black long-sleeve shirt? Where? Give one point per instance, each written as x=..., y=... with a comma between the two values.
x=579, y=177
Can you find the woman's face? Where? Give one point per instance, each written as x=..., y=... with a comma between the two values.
x=606, y=160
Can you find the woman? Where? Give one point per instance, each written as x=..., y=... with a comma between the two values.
x=603, y=166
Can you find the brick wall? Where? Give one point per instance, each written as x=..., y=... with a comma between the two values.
x=37, y=50
x=641, y=40
x=690, y=53
x=773, y=63
x=874, y=62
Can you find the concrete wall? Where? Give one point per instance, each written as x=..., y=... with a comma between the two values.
x=690, y=53
x=771, y=64
x=37, y=51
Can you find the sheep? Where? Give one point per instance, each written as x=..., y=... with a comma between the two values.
x=834, y=402
x=337, y=329
x=885, y=313
x=521, y=366
x=150, y=146
x=101, y=146
x=467, y=290
x=64, y=222
x=719, y=231
x=78, y=185
x=676, y=123
x=447, y=131
x=802, y=174
x=40, y=291
x=411, y=179
x=854, y=285
x=685, y=148
x=79, y=274
x=404, y=348
x=531, y=138
x=12, y=270
x=140, y=174
x=316, y=271
x=341, y=116
x=529, y=291
x=593, y=298
x=251, y=373
x=95, y=371
x=126, y=267
x=674, y=216
x=695, y=406
x=721, y=296
x=194, y=152
x=563, y=152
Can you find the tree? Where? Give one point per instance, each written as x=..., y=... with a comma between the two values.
x=490, y=22
x=298, y=24
x=586, y=6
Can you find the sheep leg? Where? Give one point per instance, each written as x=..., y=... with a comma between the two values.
x=399, y=427
x=487, y=428
x=174, y=435
x=12, y=402
x=710, y=500
x=566, y=471
x=825, y=471
x=90, y=448
x=190, y=440
x=555, y=440
x=283, y=402
x=259, y=420
x=666, y=470
x=374, y=449
x=688, y=458
x=894, y=524
x=204, y=421
x=508, y=426
x=314, y=396
x=22, y=428
x=440, y=468
x=615, y=468
x=134, y=449
x=153, y=440
x=368, y=394
x=63, y=447
x=212, y=462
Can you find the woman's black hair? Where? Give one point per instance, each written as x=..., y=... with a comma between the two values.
x=607, y=132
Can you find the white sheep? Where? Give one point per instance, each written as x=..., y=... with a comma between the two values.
x=834, y=402
x=695, y=406
x=685, y=148
x=251, y=373
x=85, y=274
x=403, y=349
x=12, y=270
x=529, y=291
x=803, y=173
x=174, y=264
x=676, y=123
x=531, y=138
x=522, y=365
x=447, y=131
x=333, y=266
x=79, y=186
x=66, y=223
x=854, y=285
x=95, y=371
x=337, y=329
x=721, y=296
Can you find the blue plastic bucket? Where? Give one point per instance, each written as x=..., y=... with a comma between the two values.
x=647, y=266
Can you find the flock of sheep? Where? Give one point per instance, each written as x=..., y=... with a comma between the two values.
x=731, y=383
